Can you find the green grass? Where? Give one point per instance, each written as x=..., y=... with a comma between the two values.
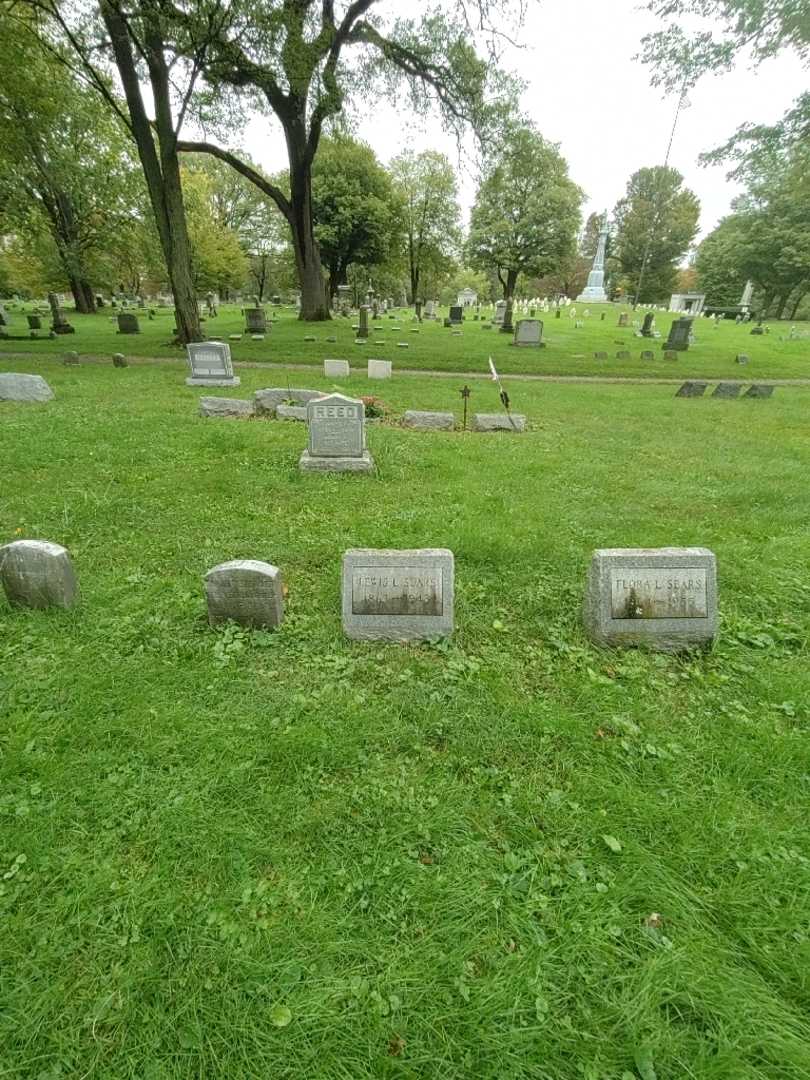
x=402, y=846
x=569, y=350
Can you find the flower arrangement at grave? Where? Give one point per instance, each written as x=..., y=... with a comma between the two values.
x=375, y=409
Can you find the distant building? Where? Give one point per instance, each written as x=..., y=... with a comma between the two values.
x=690, y=303
x=468, y=297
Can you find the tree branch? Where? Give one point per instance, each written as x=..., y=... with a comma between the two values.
x=249, y=173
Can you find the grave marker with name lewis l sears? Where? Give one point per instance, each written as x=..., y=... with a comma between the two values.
x=398, y=595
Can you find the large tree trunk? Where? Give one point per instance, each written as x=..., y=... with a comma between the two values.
x=799, y=298
x=162, y=173
x=314, y=303
x=509, y=296
x=89, y=296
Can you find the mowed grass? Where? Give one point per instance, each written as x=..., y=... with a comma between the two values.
x=431, y=346
x=510, y=855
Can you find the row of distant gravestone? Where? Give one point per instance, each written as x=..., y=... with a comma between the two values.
x=664, y=598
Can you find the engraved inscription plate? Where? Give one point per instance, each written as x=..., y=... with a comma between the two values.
x=406, y=590
x=653, y=593
x=335, y=427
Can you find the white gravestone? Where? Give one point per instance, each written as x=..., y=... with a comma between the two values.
x=245, y=591
x=38, y=574
x=379, y=369
x=398, y=595
x=500, y=313
x=336, y=369
x=665, y=598
x=210, y=364
x=337, y=440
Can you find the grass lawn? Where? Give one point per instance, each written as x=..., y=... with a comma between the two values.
x=569, y=351
x=511, y=855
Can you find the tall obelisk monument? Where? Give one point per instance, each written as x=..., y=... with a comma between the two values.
x=595, y=289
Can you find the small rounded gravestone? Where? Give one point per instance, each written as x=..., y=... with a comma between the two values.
x=38, y=574
x=71, y=359
x=119, y=360
x=245, y=591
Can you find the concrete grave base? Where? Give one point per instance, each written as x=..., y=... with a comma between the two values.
x=363, y=464
x=428, y=421
x=235, y=381
x=225, y=407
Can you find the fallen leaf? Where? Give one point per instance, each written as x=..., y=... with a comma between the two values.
x=612, y=843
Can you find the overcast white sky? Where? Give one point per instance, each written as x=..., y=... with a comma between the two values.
x=586, y=92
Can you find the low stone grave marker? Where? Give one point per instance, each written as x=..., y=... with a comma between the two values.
x=119, y=360
x=38, y=574
x=600, y=355
x=624, y=319
x=670, y=354
x=428, y=421
x=623, y=354
x=15, y=387
x=498, y=422
x=71, y=359
x=379, y=369
x=224, y=407
x=727, y=390
x=255, y=320
x=210, y=364
x=741, y=358
x=692, y=388
x=245, y=591
x=336, y=369
x=268, y=400
x=128, y=323
x=291, y=412
x=404, y=595
x=759, y=390
x=665, y=598
x=647, y=354
x=337, y=441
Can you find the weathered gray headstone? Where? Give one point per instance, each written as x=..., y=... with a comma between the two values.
x=119, y=360
x=337, y=440
x=600, y=355
x=529, y=333
x=291, y=412
x=665, y=598
x=428, y=421
x=624, y=319
x=498, y=422
x=692, y=388
x=648, y=326
x=245, y=591
x=226, y=407
x=362, y=328
x=59, y=324
x=128, y=323
x=623, y=354
x=71, y=359
x=255, y=320
x=500, y=313
x=210, y=364
x=759, y=390
x=670, y=354
x=14, y=387
x=38, y=574
x=741, y=358
x=727, y=390
x=336, y=369
x=456, y=314
x=379, y=369
x=647, y=354
x=269, y=399
x=397, y=595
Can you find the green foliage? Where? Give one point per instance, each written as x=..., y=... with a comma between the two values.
x=428, y=190
x=719, y=262
x=218, y=259
x=655, y=223
x=235, y=853
x=357, y=217
x=527, y=211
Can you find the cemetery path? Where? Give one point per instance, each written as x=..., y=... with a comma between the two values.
x=422, y=372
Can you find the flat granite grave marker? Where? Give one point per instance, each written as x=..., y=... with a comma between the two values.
x=245, y=591
x=268, y=399
x=529, y=334
x=665, y=598
x=498, y=422
x=727, y=390
x=692, y=388
x=404, y=595
x=428, y=421
x=38, y=574
x=210, y=364
x=223, y=407
x=337, y=440
x=759, y=390
x=15, y=387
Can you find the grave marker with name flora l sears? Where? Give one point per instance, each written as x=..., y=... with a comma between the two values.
x=665, y=598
